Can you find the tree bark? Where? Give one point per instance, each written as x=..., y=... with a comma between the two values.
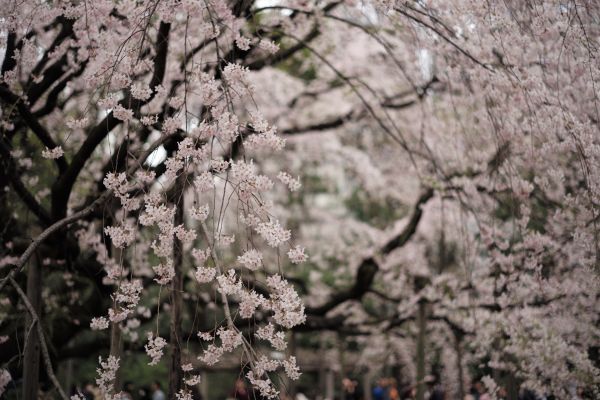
x=31, y=358
x=459, y=366
x=422, y=326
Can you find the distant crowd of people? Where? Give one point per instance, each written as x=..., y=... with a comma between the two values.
x=385, y=388
x=388, y=389
x=130, y=392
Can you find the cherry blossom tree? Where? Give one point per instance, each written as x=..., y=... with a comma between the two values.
x=201, y=179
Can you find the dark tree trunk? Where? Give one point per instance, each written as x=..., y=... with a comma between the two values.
x=422, y=326
x=31, y=358
x=459, y=365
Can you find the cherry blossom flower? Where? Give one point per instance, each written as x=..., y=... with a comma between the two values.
x=54, y=153
x=154, y=348
x=297, y=255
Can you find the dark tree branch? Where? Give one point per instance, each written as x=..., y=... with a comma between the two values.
x=48, y=232
x=441, y=35
x=62, y=188
x=10, y=98
x=368, y=268
x=364, y=278
x=321, y=126
x=52, y=97
x=411, y=228
x=65, y=32
x=9, y=62
x=20, y=188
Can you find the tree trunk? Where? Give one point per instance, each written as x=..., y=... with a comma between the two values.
x=175, y=372
x=422, y=326
x=31, y=358
x=459, y=366
x=322, y=369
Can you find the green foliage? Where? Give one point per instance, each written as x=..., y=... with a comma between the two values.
x=300, y=66
x=378, y=212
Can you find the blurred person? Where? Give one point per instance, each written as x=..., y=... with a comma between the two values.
x=437, y=393
x=240, y=391
x=301, y=396
x=90, y=392
x=379, y=390
x=128, y=391
x=157, y=393
x=392, y=392
x=145, y=393
x=351, y=390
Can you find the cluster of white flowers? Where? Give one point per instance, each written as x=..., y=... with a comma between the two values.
x=186, y=236
x=297, y=255
x=126, y=299
x=183, y=394
x=293, y=184
x=200, y=213
x=120, y=80
x=5, y=379
x=164, y=272
x=288, y=310
x=200, y=256
x=251, y=259
x=269, y=46
x=248, y=182
x=121, y=236
x=264, y=386
x=193, y=380
x=170, y=125
x=265, y=140
x=268, y=333
x=107, y=373
x=54, y=153
x=148, y=120
x=230, y=338
x=273, y=233
x=237, y=79
x=242, y=42
x=187, y=367
x=203, y=154
x=110, y=101
x=116, y=182
x=122, y=113
x=264, y=365
x=119, y=185
x=205, y=274
x=204, y=182
x=250, y=301
x=219, y=165
x=211, y=355
x=77, y=123
x=207, y=336
x=154, y=348
x=141, y=91
x=99, y=323
x=229, y=284
x=291, y=369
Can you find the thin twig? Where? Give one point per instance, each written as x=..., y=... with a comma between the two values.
x=41, y=338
